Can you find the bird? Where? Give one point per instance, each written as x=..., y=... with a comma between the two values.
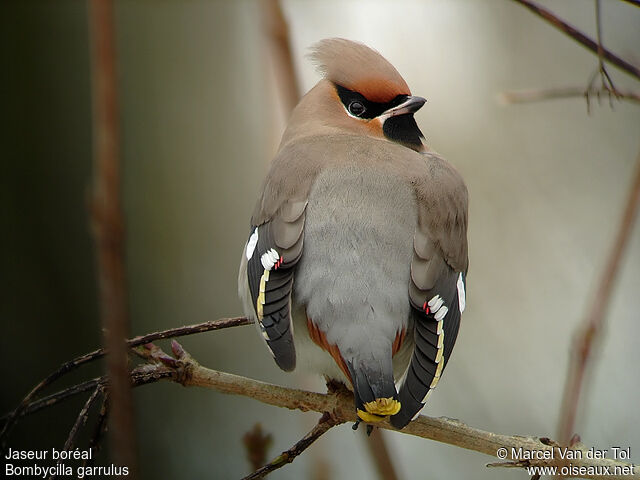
x=356, y=262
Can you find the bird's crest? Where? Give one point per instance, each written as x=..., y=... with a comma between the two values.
x=359, y=68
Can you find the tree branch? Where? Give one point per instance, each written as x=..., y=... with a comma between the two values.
x=589, y=331
x=340, y=405
x=580, y=37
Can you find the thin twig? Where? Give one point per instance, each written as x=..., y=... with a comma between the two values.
x=580, y=37
x=606, y=83
x=81, y=420
x=599, y=36
x=55, y=398
x=326, y=422
x=108, y=229
x=593, y=324
x=139, y=376
x=28, y=405
x=537, y=95
x=208, y=326
x=98, y=432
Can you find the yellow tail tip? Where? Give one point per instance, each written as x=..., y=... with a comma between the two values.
x=378, y=409
x=368, y=417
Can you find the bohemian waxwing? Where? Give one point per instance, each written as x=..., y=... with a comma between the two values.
x=358, y=241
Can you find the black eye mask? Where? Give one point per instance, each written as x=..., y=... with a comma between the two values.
x=351, y=100
x=402, y=129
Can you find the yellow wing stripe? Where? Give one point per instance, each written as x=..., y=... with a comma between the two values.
x=260, y=301
x=439, y=361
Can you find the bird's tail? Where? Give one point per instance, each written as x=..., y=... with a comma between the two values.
x=373, y=387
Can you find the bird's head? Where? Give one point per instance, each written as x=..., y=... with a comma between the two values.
x=361, y=93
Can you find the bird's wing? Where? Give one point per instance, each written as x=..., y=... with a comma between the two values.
x=272, y=251
x=275, y=246
x=438, y=278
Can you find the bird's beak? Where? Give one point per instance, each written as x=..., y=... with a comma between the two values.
x=410, y=105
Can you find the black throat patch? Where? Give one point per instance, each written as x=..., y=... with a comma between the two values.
x=403, y=129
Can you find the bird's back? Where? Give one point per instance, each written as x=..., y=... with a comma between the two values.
x=354, y=287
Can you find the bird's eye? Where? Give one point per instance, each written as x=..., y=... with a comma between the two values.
x=356, y=109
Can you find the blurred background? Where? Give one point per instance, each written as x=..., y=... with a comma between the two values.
x=201, y=118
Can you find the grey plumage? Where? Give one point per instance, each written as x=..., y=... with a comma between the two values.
x=354, y=286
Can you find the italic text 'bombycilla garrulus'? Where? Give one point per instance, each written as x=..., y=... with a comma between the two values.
x=358, y=241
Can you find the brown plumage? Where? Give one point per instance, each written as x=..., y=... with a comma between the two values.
x=338, y=60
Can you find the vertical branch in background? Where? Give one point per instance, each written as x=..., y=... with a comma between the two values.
x=277, y=33
x=108, y=230
x=593, y=323
x=380, y=455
